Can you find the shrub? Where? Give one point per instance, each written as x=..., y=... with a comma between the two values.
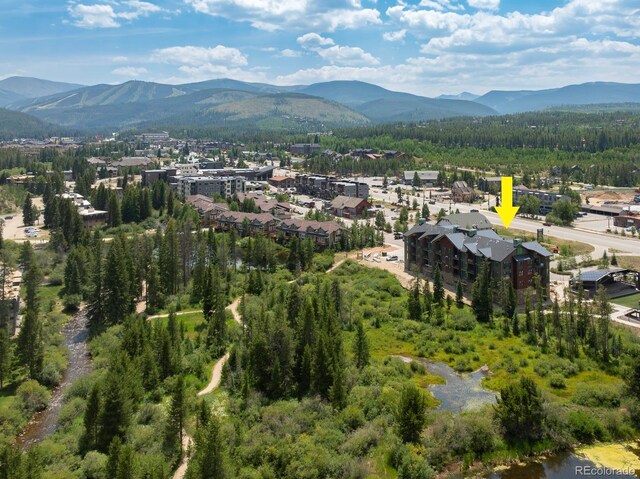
x=94, y=465
x=584, y=427
x=33, y=395
x=71, y=302
x=557, y=381
x=599, y=395
x=362, y=440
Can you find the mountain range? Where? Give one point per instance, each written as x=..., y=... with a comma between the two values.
x=260, y=106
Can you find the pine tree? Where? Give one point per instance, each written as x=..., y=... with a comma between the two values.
x=91, y=416
x=6, y=353
x=411, y=413
x=438, y=287
x=28, y=217
x=515, y=324
x=481, y=298
x=115, y=213
x=209, y=458
x=322, y=374
x=177, y=413
x=30, y=340
x=118, y=300
x=169, y=259
x=459, y=295
x=155, y=298
x=96, y=310
x=604, y=311
x=414, y=305
x=115, y=412
x=361, y=347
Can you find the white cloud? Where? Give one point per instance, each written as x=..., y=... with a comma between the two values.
x=93, y=16
x=288, y=53
x=296, y=15
x=313, y=40
x=139, y=9
x=348, y=56
x=441, y=5
x=106, y=16
x=395, y=36
x=484, y=4
x=194, y=56
x=120, y=59
x=132, y=72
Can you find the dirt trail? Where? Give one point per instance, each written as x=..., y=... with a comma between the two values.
x=216, y=378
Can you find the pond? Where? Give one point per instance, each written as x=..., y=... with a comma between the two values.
x=561, y=466
x=461, y=392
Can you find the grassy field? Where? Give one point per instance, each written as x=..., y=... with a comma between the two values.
x=631, y=301
x=629, y=262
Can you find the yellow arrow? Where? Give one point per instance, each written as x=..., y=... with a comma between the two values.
x=506, y=210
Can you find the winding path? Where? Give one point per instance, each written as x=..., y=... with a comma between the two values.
x=216, y=378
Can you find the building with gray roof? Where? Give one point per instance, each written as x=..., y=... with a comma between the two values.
x=459, y=244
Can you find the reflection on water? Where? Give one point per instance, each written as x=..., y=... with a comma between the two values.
x=559, y=466
x=461, y=392
x=44, y=423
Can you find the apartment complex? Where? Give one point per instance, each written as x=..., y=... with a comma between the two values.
x=547, y=198
x=460, y=245
x=225, y=186
x=328, y=187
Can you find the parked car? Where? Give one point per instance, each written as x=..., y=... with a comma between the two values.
x=397, y=236
x=546, y=223
x=392, y=258
x=432, y=202
x=475, y=211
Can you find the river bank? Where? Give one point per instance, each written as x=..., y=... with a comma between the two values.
x=43, y=423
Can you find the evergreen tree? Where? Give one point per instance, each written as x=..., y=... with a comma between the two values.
x=115, y=412
x=96, y=310
x=411, y=415
x=459, y=295
x=438, y=286
x=28, y=217
x=604, y=311
x=91, y=416
x=6, y=354
x=209, y=460
x=118, y=300
x=114, y=218
x=169, y=259
x=155, y=298
x=361, y=347
x=511, y=303
x=481, y=297
x=414, y=305
x=177, y=413
x=515, y=324
x=321, y=374
x=520, y=411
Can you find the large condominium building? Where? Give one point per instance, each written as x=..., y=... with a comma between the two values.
x=328, y=187
x=226, y=186
x=460, y=244
x=547, y=198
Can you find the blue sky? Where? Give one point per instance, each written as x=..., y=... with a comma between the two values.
x=428, y=47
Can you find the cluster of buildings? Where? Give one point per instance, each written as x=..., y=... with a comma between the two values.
x=273, y=221
x=90, y=216
x=205, y=179
x=459, y=244
x=329, y=187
